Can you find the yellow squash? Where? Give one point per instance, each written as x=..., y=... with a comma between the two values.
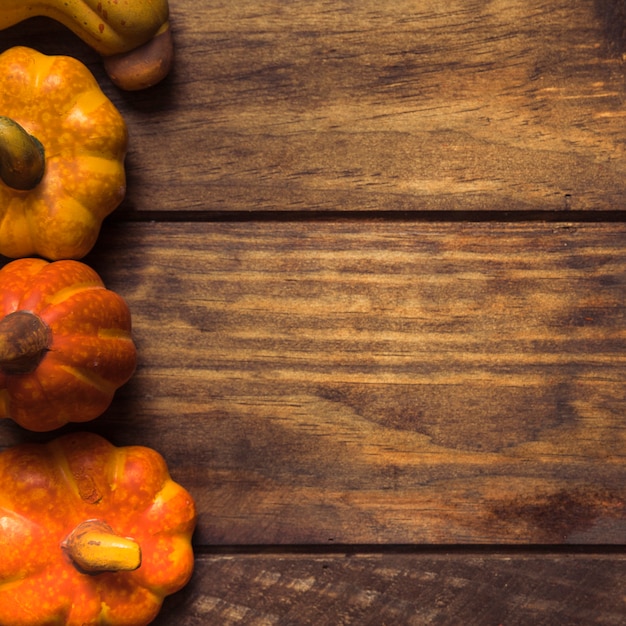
x=62, y=150
x=133, y=36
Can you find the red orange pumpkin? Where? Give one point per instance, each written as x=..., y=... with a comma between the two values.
x=92, y=534
x=65, y=343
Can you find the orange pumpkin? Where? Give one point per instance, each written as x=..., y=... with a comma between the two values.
x=92, y=534
x=65, y=343
x=62, y=150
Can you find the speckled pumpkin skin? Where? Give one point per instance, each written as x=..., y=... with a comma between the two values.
x=57, y=100
x=46, y=490
x=91, y=353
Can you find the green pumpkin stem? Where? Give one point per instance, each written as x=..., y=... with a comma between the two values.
x=24, y=339
x=22, y=159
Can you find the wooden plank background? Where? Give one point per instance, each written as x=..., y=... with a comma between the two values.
x=375, y=255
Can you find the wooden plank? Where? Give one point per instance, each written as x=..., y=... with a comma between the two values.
x=370, y=106
x=417, y=590
x=379, y=382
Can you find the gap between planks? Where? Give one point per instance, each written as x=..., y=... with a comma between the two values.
x=518, y=551
x=477, y=217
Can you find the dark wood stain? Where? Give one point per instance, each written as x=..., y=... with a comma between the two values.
x=562, y=515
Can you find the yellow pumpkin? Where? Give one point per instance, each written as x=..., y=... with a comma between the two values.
x=62, y=150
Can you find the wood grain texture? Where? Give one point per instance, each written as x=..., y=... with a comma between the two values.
x=412, y=590
x=374, y=383
x=370, y=106
x=379, y=382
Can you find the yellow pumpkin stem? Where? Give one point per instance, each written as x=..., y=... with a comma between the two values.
x=94, y=547
x=22, y=159
x=24, y=339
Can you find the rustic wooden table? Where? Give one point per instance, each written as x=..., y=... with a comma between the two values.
x=376, y=258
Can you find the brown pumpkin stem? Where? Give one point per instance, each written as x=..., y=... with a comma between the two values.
x=24, y=339
x=94, y=547
x=22, y=160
